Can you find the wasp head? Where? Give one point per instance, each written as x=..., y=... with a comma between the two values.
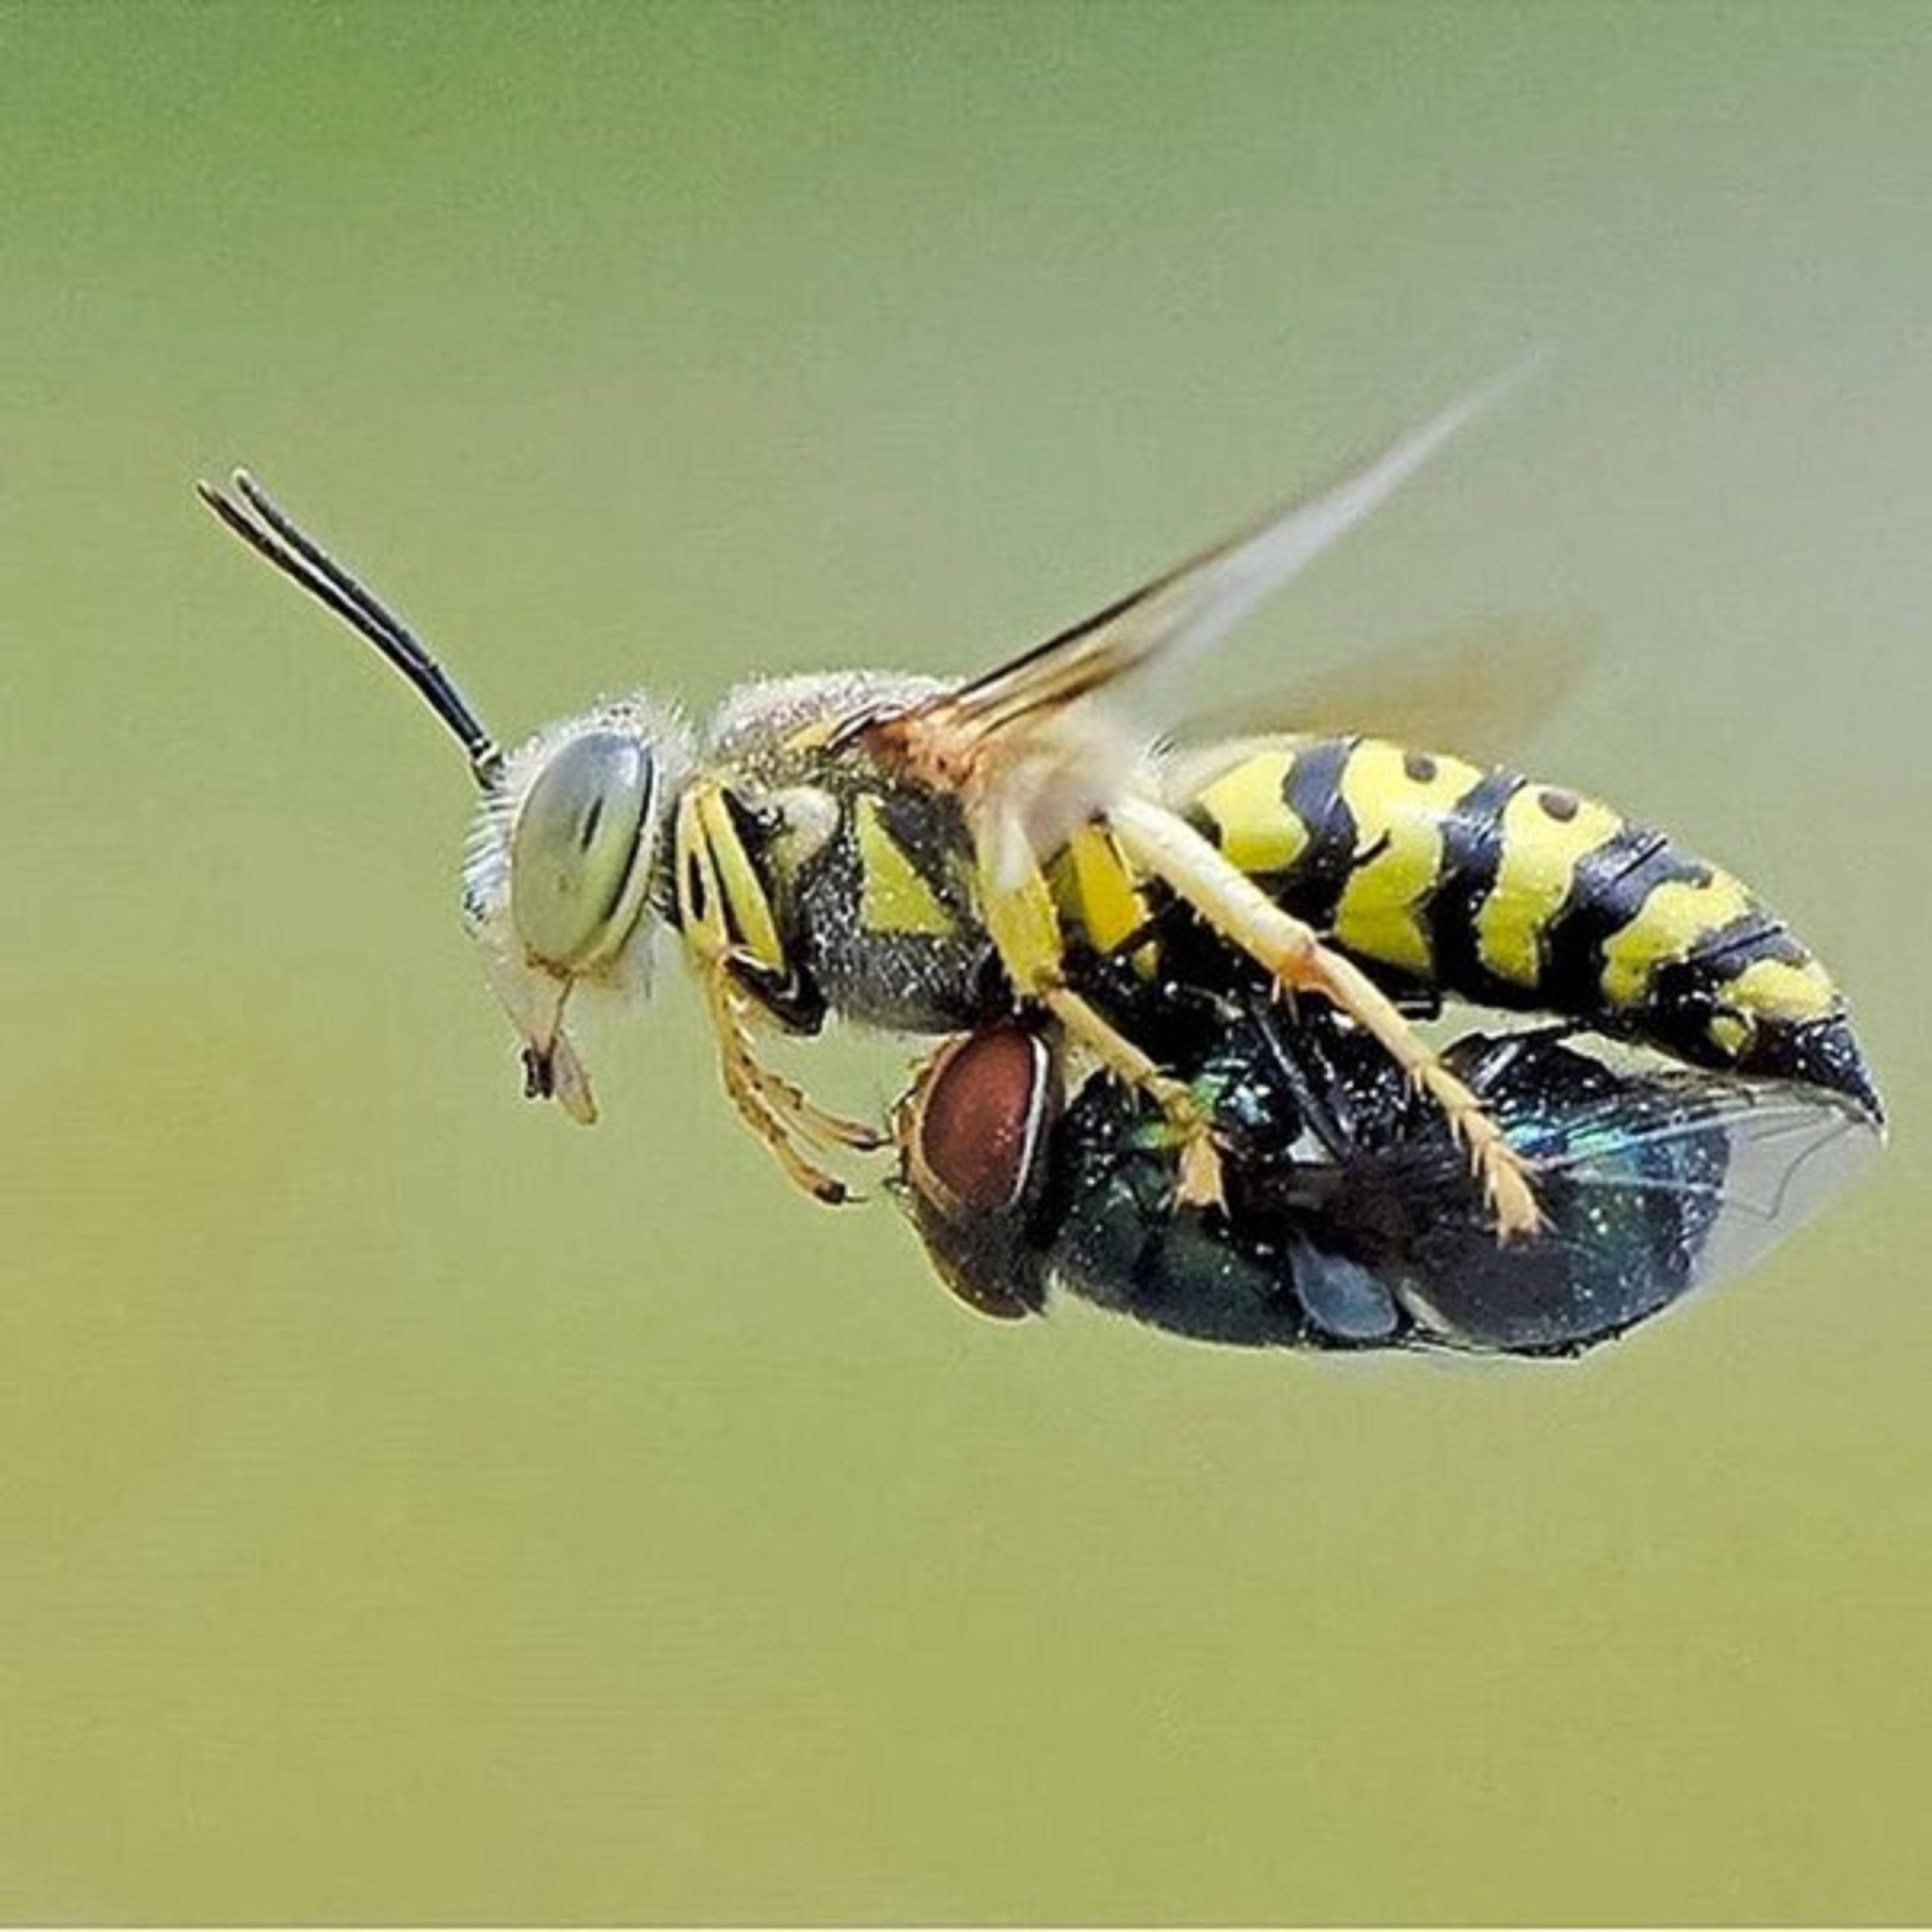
x=566, y=878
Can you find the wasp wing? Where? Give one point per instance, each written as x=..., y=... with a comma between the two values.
x=1182, y=612
x=1651, y=1185
x=1479, y=691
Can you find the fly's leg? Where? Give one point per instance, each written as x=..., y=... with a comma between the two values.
x=1236, y=908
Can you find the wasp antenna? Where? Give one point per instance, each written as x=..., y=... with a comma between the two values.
x=273, y=534
x=311, y=553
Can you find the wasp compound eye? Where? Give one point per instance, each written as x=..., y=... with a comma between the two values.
x=576, y=849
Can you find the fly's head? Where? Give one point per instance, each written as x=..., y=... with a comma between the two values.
x=564, y=882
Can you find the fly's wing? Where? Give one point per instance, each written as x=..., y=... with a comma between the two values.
x=1180, y=615
x=1787, y=1149
x=1651, y=1185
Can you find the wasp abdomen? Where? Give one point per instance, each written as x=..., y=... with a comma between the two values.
x=1487, y=885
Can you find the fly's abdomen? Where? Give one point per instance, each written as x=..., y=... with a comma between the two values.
x=1484, y=884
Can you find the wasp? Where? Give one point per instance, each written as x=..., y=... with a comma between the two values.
x=926, y=858
x=1349, y=1220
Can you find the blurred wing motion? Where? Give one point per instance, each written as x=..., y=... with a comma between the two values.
x=1178, y=616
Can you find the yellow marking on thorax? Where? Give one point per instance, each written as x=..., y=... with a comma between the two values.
x=1253, y=825
x=1399, y=800
x=894, y=898
x=1673, y=919
x=1540, y=854
x=1778, y=990
x=1097, y=889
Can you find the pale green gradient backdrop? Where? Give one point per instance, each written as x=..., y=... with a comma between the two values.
x=410, y=1506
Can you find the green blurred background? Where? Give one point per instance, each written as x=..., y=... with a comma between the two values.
x=411, y=1507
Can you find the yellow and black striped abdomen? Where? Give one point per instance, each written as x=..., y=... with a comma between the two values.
x=1484, y=885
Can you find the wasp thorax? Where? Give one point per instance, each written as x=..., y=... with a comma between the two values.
x=578, y=868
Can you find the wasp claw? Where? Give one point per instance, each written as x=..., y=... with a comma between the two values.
x=1202, y=1182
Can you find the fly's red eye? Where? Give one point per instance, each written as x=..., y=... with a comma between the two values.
x=981, y=1110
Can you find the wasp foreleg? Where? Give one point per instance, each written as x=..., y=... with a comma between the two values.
x=756, y=1110
x=792, y=1125
x=1236, y=908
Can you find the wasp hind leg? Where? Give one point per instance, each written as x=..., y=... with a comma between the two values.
x=1236, y=908
x=797, y=1130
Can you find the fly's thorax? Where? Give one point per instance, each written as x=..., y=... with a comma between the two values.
x=562, y=880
